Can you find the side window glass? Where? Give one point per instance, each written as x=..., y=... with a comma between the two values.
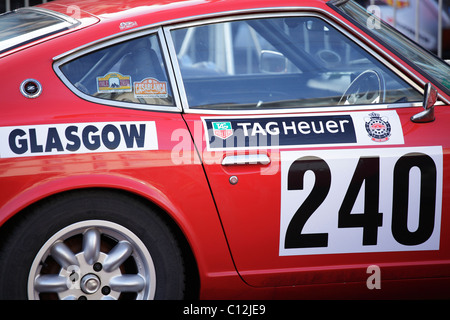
x=281, y=63
x=131, y=71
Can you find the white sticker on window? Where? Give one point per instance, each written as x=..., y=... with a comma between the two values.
x=114, y=82
x=150, y=88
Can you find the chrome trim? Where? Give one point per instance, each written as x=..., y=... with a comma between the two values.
x=176, y=69
x=245, y=159
x=305, y=109
x=31, y=95
x=312, y=12
x=73, y=54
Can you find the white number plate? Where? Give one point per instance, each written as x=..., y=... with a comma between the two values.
x=360, y=200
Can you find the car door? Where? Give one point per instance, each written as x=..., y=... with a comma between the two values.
x=305, y=136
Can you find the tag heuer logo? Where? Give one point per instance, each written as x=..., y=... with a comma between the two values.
x=222, y=130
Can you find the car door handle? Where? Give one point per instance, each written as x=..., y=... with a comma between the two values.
x=246, y=159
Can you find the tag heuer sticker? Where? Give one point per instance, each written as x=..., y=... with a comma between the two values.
x=150, y=88
x=114, y=82
x=222, y=130
x=378, y=128
x=362, y=128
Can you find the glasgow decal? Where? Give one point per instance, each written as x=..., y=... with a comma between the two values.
x=39, y=140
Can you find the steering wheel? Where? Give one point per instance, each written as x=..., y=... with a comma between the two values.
x=367, y=88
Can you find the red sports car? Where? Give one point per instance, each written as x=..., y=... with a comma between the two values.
x=232, y=149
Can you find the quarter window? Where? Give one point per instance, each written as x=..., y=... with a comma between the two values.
x=272, y=63
x=132, y=71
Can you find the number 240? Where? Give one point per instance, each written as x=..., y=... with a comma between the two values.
x=368, y=171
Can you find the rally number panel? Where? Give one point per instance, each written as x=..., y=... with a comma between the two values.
x=360, y=200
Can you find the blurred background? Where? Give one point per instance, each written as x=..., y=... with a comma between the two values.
x=424, y=21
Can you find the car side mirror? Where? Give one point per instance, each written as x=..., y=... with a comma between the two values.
x=429, y=99
x=272, y=62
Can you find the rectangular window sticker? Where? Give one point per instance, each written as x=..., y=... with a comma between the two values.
x=301, y=131
x=150, y=88
x=114, y=82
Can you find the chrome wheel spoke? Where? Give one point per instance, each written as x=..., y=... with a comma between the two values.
x=50, y=283
x=127, y=283
x=91, y=245
x=117, y=256
x=63, y=255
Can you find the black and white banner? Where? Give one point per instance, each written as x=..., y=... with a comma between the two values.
x=53, y=139
x=293, y=131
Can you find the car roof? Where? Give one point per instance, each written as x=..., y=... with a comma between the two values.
x=104, y=19
x=172, y=9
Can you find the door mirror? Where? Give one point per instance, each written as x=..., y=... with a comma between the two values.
x=272, y=62
x=429, y=99
x=430, y=96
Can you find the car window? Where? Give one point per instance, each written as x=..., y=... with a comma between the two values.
x=281, y=63
x=28, y=24
x=131, y=71
x=420, y=58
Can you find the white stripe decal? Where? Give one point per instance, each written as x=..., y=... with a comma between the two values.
x=70, y=138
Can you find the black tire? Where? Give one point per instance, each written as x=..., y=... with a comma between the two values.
x=153, y=268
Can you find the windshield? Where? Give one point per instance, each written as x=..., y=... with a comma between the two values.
x=25, y=25
x=422, y=60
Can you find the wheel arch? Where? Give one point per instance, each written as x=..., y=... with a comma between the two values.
x=153, y=198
